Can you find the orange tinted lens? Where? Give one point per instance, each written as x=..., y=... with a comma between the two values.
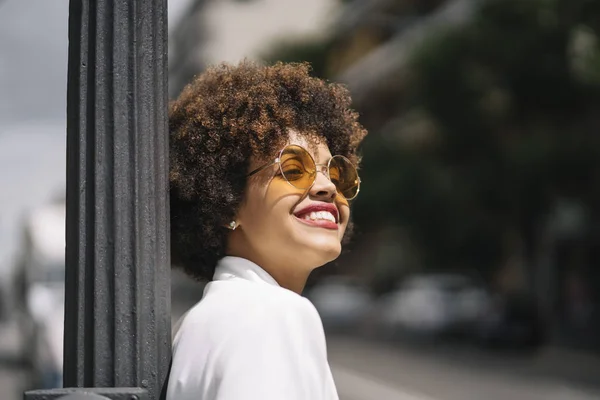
x=298, y=167
x=344, y=176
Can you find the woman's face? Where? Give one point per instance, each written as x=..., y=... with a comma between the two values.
x=276, y=228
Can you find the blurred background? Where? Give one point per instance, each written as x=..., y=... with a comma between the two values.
x=474, y=270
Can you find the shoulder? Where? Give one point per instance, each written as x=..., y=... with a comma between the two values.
x=243, y=335
x=230, y=307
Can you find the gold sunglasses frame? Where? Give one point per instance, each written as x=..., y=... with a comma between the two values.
x=278, y=161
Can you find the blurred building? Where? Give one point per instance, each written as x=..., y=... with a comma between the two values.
x=369, y=50
x=374, y=42
x=215, y=31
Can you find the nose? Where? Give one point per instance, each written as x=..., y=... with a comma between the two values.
x=323, y=188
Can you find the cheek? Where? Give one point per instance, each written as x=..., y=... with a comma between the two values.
x=280, y=197
x=278, y=187
x=344, y=207
x=345, y=215
x=271, y=204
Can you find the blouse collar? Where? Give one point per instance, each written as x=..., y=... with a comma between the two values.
x=230, y=267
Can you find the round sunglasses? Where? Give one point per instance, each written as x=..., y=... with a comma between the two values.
x=299, y=169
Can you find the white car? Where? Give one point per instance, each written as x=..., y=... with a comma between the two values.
x=341, y=303
x=433, y=304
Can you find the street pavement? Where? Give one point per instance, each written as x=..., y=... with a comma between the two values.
x=370, y=370
x=376, y=370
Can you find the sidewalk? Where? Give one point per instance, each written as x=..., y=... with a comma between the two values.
x=571, y=365
x=365, y=370
x=550, y=364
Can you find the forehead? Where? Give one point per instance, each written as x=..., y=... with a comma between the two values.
x=315, y=145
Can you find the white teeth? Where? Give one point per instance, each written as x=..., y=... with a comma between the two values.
x=319, y=215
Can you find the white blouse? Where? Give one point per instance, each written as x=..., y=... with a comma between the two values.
x=250, y=339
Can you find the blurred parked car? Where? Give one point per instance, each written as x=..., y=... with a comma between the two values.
x=39, y=286
x=341, y=302
x=432, y=305
x=511, y=321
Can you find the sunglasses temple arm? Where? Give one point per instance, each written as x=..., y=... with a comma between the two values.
x=256, y=171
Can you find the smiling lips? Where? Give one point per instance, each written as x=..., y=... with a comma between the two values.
x=321, y=215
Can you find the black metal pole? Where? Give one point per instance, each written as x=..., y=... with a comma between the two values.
x=117, y=307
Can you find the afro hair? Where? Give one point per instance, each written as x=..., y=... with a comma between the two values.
x=227, y=115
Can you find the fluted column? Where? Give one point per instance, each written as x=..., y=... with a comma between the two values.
x=117, y=308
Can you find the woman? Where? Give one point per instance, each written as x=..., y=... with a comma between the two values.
x=263, y=169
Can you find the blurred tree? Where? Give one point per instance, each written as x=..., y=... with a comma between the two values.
x=495, y=125
x=361, y=27
x=313, y=51
x=499, y=123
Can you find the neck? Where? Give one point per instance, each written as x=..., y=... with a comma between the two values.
x=293, y=280
x=287, y=274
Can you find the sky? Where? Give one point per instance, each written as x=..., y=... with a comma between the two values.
x=33, y=58
x=33, y=81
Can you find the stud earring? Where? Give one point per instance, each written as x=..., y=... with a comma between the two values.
x=232, y=225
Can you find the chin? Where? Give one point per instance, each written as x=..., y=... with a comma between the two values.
x=323, y=251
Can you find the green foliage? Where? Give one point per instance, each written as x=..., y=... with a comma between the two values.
x=314, y=51
x=498, y=123
x=515, y=131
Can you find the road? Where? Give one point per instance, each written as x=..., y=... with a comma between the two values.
x=368, y=370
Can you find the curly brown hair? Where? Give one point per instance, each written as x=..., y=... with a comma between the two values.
x=227, y=115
